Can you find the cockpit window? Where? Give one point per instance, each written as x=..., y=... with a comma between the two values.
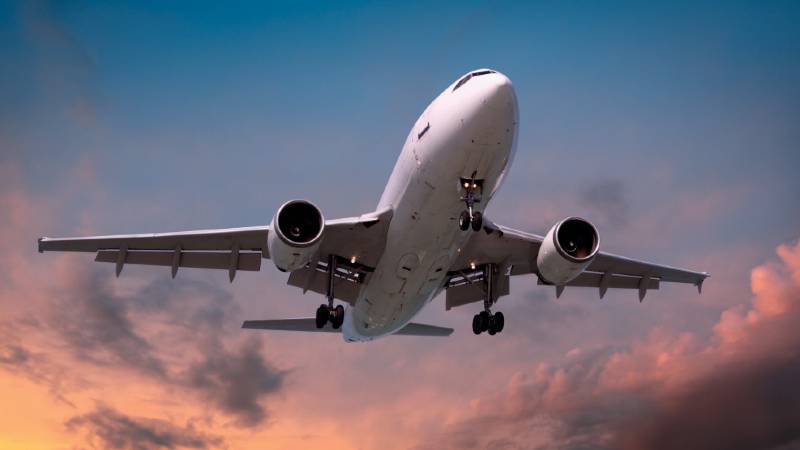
x=469, y=76
x=424, y=130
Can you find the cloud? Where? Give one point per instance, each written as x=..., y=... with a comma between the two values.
x=235, y=381
x=97, y=325
x=14, y=355
x=108, y=428
x=105, y=327
x=736, y=389
x=78, y=326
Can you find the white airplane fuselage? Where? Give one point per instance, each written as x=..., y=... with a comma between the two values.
x=465, y=132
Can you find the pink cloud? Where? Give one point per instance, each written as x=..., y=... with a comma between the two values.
x=733, y=389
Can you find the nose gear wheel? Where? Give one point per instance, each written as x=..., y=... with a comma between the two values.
x=472, y=189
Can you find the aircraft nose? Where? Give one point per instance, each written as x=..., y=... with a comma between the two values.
x=499, y=92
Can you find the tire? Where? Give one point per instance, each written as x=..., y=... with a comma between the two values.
x=463, y=221
x=338, y=318
x=322, y=316
x=499, y=321
x=477, y=221
x=484, y=320
x=476, y=324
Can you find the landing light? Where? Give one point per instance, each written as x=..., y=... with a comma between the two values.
x=353, y=260
x=472, y=265
x=466, y=185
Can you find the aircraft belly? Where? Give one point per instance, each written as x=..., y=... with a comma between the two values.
x=461, y=138
x=424, y=239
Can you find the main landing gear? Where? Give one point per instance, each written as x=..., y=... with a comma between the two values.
x=485, y=320
x=472, y=194
x=329, y=313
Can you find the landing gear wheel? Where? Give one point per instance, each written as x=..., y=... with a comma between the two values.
x=338, y=317
x=477, y=221
x=483, y=318
x=464, y=221
x=499, y=321
x=323, y=314
x=476, y=324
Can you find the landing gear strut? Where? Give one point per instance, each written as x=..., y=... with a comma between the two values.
x=469, y=216
x=485, y=320
x=326, y=313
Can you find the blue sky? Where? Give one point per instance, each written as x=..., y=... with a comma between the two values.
x=265, y=95
x=675, y=127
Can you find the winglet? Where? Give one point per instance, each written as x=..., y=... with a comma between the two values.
x=559, y=290
x=39, y=244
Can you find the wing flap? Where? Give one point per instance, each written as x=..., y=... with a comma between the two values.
x=614, y=281
x=468, y=287
x=312, y=279
x=250, y=261
x=607, y=262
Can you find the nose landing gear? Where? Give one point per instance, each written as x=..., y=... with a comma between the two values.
x=485, y=320
x=472, y=194
x=329, y=313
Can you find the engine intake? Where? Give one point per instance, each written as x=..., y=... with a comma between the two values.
x=569, y=247
x=295, y=234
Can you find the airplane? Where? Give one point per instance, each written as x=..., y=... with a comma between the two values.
x=426, y=235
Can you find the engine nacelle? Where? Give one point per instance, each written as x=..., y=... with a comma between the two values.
x=568, y=248
x=295, y=234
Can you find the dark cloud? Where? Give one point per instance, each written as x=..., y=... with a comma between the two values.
x=741, y=406
x=738, y=390
x=607, y=200
x=104, y=328
x=38, y=368
x=236, y=380
x=14, y=355
x=108, y=428
x=188, y=303
x=97, y=326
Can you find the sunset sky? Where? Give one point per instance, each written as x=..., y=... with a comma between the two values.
x=674, y=128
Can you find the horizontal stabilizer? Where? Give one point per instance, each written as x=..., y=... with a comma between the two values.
x=309, y=324
x=421, y=329
x=300, y=324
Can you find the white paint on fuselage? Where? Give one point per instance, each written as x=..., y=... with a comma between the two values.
x=471, y=129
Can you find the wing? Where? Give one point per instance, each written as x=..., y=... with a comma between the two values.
x=234, y=249
x=514, y=252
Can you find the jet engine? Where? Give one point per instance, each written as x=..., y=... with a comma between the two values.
x=295, y=234
x=568, y=248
